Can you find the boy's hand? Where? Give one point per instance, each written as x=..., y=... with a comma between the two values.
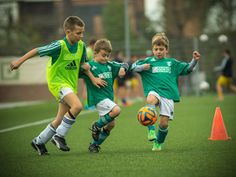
x=14, y=65
x=196, y=55
x=146, y=66
x=98, y=82
x=121, y=72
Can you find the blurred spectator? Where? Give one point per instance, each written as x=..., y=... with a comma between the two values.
x=133, y=82
x=90, y=49
x=225, y=78
x=120, y=83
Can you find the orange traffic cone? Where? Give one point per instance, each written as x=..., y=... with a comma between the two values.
x=218, y=131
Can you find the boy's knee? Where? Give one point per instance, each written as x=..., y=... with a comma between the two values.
x=163, y=122
x=77, y=108
x=115, y=111
x=151, y=99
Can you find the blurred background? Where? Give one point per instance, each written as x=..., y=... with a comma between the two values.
x=205, y=25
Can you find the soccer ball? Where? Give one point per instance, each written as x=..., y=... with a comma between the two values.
x=147, y=116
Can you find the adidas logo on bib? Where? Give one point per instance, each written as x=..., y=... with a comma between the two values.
x=71, y=66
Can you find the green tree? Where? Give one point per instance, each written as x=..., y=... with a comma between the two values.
x=113, y=20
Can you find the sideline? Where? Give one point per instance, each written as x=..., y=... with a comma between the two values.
x=37, y=123
x=20, y=104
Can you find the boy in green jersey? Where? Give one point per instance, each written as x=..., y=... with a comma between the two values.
x=66, y=58
x=160, y=84
x=103, y=98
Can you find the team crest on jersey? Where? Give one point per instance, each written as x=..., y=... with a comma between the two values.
x=109, y=68
x=153, y=59
x=168, y=63
x=71, y=66
x=93, y=68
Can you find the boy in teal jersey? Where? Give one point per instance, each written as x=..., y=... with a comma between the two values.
x=66, y=58
x=160, y=84
x=103, y=98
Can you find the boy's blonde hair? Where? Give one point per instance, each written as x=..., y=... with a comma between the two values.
x=71, y=21
x=102, y=44
x=160, y=39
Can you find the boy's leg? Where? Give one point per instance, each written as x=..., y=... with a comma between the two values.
x=68, y=120
x=152, y=100
x=152, y=133
x=39, y=142
x=219, y=88
x=100, y=136
x=161, y=133
x=166, y=114
x=95, y=145
x=108, y=110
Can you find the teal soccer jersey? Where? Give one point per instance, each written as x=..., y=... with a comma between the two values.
x=108, y=72
x=162, y=76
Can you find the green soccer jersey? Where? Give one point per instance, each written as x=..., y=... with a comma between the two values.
x=63, y=69
x=108, y=72
x=162, y=76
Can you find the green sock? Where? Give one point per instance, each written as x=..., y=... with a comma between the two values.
x=151, y=127
x=104, y=120
x=161, y=134
x=103, y=135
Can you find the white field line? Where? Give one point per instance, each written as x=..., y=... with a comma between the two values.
x=36, y=123
x=19, y=104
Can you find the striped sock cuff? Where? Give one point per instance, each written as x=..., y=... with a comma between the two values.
x=52, y=128
x=68, y=120
x=163, y=129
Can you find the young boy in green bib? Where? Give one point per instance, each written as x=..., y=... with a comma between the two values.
x=160, y=84
x=103, y=97
x=66, y=57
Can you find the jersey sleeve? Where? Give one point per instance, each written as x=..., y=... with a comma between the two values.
x=181, y=67
x=49, y=50
x=115, y=68
x=137, y=66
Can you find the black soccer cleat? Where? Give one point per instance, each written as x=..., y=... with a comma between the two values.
x=60, y=143
x=94, y=148
x=95, y=131
x=40, y=148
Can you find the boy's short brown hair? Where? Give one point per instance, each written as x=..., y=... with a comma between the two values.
x=102, y=44
x=71, y=21
x=160, y=39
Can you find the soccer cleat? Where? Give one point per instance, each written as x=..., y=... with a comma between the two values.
x=39, y=147
x=95, y=131
x=156, y=146
x=152, y=135
x=60, y=142
x=94, y=148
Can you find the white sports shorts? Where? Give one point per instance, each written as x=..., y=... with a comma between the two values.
x=105, y=106
x=166, y=105
x=63, y=92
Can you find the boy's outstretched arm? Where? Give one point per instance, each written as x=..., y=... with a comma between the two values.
x=192, y=64
x=16, y=63
x=123, y=69
x=139, y=68
x=98, y=82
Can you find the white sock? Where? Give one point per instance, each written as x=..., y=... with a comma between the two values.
x=65, y=126
x=45, y=135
